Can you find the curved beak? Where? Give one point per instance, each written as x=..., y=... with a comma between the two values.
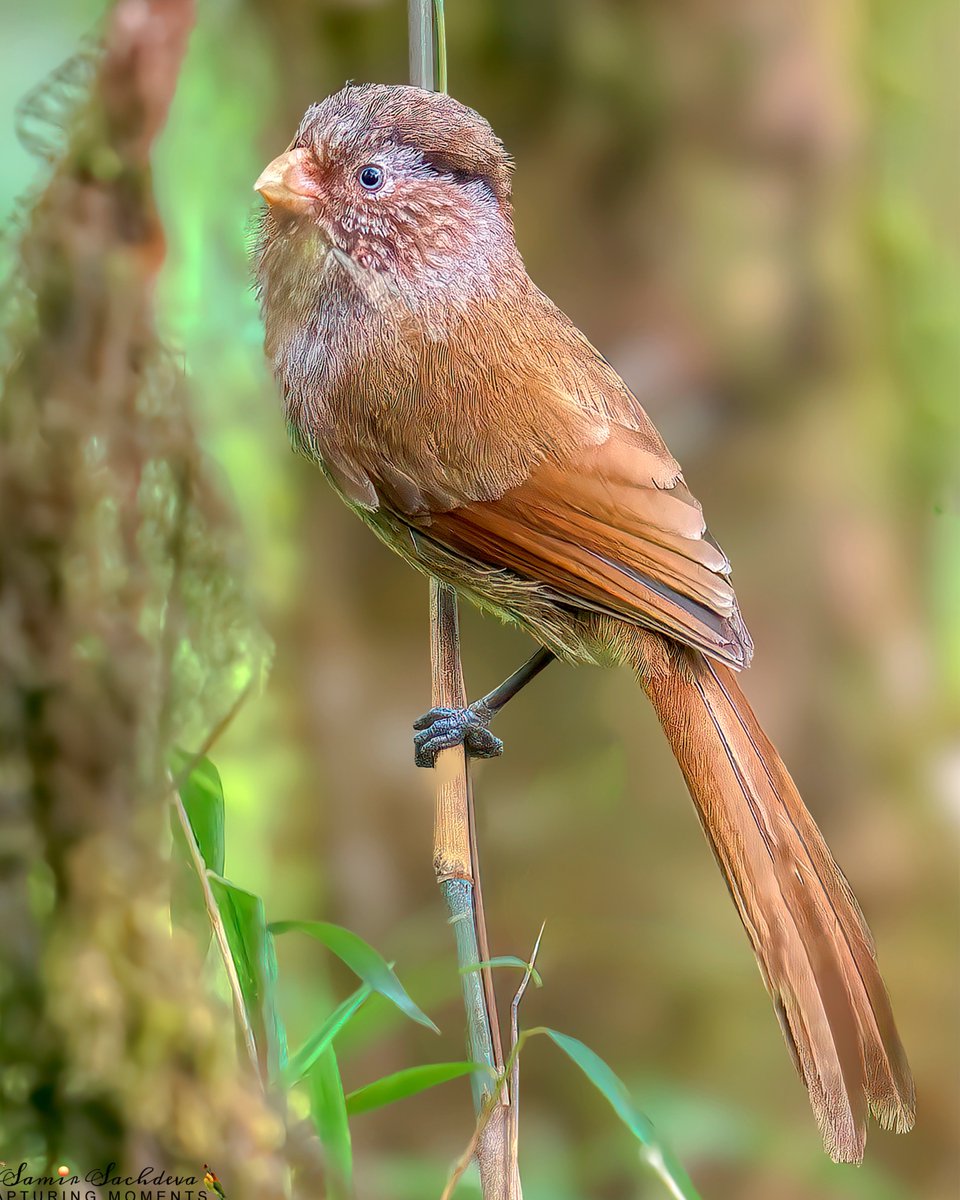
x=286, y=184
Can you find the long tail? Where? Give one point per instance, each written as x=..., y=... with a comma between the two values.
x=812, y=944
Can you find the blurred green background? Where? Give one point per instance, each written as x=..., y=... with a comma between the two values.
x=751, y=209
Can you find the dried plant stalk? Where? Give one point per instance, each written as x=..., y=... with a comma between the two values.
x=456, y=862
x=456, y=859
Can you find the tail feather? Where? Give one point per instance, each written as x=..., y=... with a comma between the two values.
x=812, y=944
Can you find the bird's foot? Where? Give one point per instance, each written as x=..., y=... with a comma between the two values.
x=441, y=728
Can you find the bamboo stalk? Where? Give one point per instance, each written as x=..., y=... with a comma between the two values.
x=421, y=38
x=456, y=859
x=456, y=867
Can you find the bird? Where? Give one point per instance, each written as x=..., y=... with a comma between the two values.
x=478, y=433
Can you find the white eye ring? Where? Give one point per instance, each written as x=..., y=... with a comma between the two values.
x=371, y=177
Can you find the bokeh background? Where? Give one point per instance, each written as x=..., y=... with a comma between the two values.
x=751, y=209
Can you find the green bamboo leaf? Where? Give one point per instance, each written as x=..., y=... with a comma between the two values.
x=363, y=960
x=318, y=1042
x=255, y=959
x=410, y=1082
x=202, y=796
x=329, y=1111
x=504, y=960
x=654, y=1153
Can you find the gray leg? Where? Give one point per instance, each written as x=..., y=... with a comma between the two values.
x=441, y=728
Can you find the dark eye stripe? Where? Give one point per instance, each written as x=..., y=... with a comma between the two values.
x=443, y=165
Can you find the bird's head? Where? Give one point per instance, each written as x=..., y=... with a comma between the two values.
x=397, y=182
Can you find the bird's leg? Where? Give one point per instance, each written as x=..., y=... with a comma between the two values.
x=441, y=728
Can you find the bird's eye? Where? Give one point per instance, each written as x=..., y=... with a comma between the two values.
x=371, y=178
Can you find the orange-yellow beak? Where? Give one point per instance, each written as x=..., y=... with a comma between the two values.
x=285, y=183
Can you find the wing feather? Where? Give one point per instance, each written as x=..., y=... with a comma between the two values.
x=607, y=537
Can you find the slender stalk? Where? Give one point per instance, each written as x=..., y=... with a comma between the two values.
x=420, y=27
x=456, y=855
x=484, y=1118
x=220, y=933
x=209, y=900
x=460, y=895
x=514, y=1116
x=212, y=737
x=440, y=30
x=491, y=1108
x=456, y=861
x=457, y=870
x=514, y=1051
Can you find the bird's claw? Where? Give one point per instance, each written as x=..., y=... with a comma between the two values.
x=441, y=728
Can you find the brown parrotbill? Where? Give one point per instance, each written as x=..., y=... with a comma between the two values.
x=477, y=432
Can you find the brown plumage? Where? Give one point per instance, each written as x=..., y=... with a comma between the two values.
x=481, y=436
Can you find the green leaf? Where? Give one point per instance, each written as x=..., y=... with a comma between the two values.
x=660, y=1159
x=504, y=960
x=202, y=796
x=329, y=1111
x=255, y=959
x=410, y=1082
x=318, y=1042
x=363, y=960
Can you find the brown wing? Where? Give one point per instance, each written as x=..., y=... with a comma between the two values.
x=514, y=443
x=600, y=531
